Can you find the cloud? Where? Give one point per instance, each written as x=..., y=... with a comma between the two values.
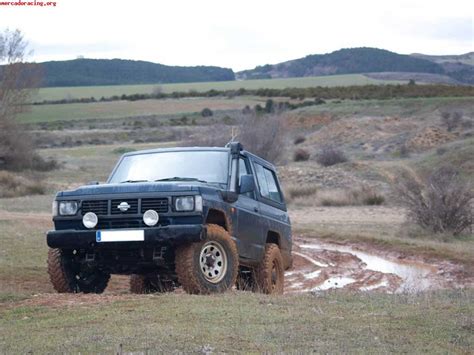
x=240, y=34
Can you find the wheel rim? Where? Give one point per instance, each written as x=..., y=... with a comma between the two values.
x=213, y=261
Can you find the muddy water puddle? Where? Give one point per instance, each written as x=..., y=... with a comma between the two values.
x=321, y=267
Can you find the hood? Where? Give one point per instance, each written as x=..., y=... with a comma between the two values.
x=125, y=188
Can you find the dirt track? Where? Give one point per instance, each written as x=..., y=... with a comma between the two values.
x=318, y=266
x=321, y=266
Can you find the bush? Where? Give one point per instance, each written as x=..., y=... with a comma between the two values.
x=329, y=156
x=404, y=151
x=12, y=185
x=451, y=119
x=440, y=203
x=299, y=140
x=360, y=196
x=297, y=191
x=263, y=135
x=301, y=155
x=206, y=112
x=40, y=164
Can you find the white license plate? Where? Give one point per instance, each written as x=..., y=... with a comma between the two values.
x=120, y=236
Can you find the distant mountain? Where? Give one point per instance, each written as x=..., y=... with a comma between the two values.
x=467, y=58
x=86, y=72
x=358, y=60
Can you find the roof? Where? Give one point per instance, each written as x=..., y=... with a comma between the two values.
x=177, y=149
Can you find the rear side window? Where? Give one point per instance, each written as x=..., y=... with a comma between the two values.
x=267, y=183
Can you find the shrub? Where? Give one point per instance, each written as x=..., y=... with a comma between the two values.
x=329, y=156
x=359, y=196
x=301, y=155
x=440, y=203
x=38, y=163
x=299, y=140
x=263, y=135
x=269, y=106
x=206, y=112
x=299, y=191
x=441, y=150
x=404, y=151
x=451, y=119
x=246, y=110
x=12, y=185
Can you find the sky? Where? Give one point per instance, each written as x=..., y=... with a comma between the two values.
x=238, y=34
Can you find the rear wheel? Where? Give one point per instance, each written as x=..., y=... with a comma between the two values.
x=209, y=266
x=269, y=274
x=149, y=284
x=67, y=276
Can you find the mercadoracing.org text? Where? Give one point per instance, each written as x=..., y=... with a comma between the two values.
x=28, y=3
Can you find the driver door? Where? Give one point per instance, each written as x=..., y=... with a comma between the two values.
x=250, y=228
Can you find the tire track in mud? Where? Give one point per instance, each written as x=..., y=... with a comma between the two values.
x=320, y=267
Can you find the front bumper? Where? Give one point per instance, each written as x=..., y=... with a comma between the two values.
x=178, y=234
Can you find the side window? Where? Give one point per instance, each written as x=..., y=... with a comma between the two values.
x=272, y=185
x=267, y=183
x=262, y=180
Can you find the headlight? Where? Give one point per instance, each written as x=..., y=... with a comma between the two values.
x=184, y=203
x=55, y=208
x=90, y=220
x=67, y=208
x=150, y=218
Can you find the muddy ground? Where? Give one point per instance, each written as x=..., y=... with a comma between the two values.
x=319, y=265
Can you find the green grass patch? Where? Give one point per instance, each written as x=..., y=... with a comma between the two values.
x=124, y=109
x=244, y=322
x=98, y=91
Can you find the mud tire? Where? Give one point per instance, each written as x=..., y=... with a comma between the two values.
x=269, y=274
x=188, y=267
x=63, y=277
x=142, y=284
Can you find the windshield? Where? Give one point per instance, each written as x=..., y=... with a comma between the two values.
x=208, y=166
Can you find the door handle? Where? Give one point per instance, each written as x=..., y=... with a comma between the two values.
x=255, y=209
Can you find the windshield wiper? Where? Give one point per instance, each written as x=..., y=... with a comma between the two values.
x=127, y=181
x=177, y=178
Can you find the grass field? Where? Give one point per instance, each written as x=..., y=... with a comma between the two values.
x=122, y=109
x=59, y=93
x=435, y=323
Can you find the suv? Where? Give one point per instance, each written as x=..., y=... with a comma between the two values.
x=203, y=218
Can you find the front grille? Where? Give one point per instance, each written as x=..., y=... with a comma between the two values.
x=132, y=210
x=160, y=205
x=99, y=207
x=120, y=223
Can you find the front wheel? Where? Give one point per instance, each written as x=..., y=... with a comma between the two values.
x=68, y=277
x=209, y=266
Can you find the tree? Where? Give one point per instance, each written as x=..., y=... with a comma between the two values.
x=18, y=80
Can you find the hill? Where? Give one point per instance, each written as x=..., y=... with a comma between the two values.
x=87, y=72
x=359, y=60
x=467, y=58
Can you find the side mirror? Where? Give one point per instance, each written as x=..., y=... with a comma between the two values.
x=247, y=184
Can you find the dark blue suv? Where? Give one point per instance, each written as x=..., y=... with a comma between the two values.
x=202, y=218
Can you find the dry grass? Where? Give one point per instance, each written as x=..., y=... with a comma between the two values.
x=334, y=322
x=311, y=196
x=293, y=192
x=13, y=185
